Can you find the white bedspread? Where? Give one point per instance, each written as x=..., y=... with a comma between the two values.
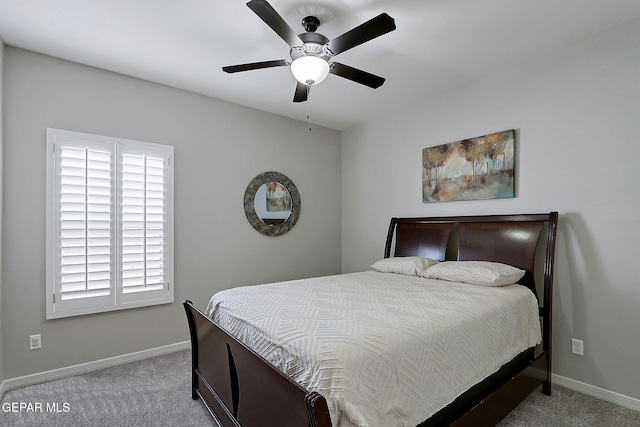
x=383, y=349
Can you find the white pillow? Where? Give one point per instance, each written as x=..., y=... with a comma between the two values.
x=482, y=273
x=408, y=265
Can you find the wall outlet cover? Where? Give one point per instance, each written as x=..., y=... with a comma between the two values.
x=35, y=342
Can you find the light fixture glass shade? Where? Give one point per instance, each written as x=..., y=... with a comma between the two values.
x=310, y=70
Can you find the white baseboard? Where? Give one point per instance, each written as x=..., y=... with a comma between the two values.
x=82, y=368
x=597, y=392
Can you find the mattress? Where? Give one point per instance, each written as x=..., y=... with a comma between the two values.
x=382, y=348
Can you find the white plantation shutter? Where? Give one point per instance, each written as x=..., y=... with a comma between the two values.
x=109, y=223
x=85, y=223
x=83, y=198
x=143, y=217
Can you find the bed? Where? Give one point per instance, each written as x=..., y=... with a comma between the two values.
x=246, y=377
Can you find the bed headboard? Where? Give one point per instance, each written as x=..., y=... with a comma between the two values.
x=510, y=239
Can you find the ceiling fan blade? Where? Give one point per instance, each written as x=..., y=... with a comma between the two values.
x=302, y=92
x=356, y=75
x=381, y=24
x=255, y=66
x=268, y=14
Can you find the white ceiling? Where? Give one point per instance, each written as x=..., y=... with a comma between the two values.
x=438, y=44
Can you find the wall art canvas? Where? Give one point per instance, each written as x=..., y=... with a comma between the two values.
x=472, y=169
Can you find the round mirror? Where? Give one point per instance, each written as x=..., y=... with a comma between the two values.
x=272, y=203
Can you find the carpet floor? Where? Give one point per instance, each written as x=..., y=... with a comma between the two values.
x=157, y=392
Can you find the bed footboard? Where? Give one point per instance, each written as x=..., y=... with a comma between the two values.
x=240, y=388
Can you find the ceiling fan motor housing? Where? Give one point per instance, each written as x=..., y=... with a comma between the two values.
x=314, y=45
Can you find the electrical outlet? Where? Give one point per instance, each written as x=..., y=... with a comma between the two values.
x=577, y=347
x=35, y=342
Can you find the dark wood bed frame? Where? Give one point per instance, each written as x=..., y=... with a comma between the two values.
x=240, y=388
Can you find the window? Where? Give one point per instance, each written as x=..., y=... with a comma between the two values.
x=109, y=224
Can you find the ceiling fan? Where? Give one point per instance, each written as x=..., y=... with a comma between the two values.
x=310, y=51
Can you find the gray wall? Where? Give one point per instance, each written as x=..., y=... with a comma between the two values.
x=219, y=148
x=577, y=114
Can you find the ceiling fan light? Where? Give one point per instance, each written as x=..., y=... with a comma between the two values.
x=310, y=70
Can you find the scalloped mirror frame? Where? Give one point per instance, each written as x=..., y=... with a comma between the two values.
x=249, y=207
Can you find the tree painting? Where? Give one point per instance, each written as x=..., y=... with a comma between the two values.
x=472, y=169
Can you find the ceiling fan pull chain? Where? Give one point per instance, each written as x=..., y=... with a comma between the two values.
x=308, y=108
